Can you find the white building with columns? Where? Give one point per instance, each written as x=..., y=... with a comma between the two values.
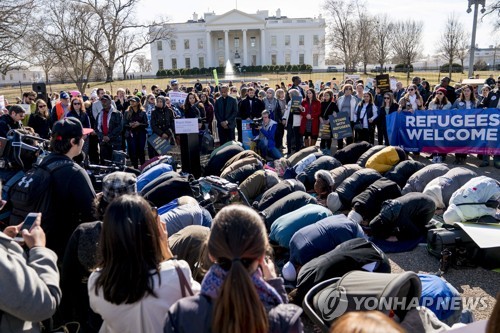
x=245, y=39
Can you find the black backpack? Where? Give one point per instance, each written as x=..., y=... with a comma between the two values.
x=33, y=193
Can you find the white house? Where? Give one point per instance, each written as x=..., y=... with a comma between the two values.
x=245, y=39
x=22, y=74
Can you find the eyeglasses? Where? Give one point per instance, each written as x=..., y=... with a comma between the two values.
x=42, y=106
x=411, y=89
x=77, y=103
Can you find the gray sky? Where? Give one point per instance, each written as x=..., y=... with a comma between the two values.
x=432, y=12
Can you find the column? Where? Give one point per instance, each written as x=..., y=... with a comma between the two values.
x=245, y=55
x=208, y=61
x=226, y=44
x=263, y=60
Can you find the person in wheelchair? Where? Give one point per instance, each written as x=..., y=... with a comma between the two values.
x=265, y=140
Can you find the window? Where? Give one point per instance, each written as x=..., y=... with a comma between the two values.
x=24, y=76
x=221, y=61
x=273, y=59
x=236, y=42
x=287, y=59
x=287, y=40
x=3, y=77
x=200, y=43
x=188, y=63
x=201, y=62
x=315, y=59
x=174, y=63
x=11, y=77
x=301, y=58
x=315, y=40
x=173, y=45
x=254, y=60
x=220, y=43
x=252, y=41
x=159, y=45
x=273, y=41
x=160, y=64
x=301, y=40
x=186, y=44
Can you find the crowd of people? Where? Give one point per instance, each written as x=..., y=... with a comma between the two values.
x=145, y=255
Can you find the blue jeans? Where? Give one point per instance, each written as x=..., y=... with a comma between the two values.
x=266, y=151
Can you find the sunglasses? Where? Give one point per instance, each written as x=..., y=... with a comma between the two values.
x=387, y=98
x=77, y=103
x=42, y=106
x=411, y=89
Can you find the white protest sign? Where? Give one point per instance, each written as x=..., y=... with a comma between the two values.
x=177, y=97
x=186, y=126
x=2, y=102
x=26, y=108
x=393, y=83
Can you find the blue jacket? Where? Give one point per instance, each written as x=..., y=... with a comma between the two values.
x=269, y=134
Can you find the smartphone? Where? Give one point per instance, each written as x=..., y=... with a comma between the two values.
x=27, y=224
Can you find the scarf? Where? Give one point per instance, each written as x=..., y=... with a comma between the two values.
x=212, y=282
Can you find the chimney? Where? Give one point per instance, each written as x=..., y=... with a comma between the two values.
x=195, y=17
x=278, y=13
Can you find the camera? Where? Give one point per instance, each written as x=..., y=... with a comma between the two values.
x=20, y=150
x=256, y=122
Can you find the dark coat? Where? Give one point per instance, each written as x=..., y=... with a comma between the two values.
x=356, y=184
x=368, y=202
x=489, y=101
x=404, y=217
x=83, y=117
x=323, y=163
x=342, y=173
x=114, y=128
x=162, y=121
x=40, y=124
x=6, y=124
x=229, y=113
x=351, y=153
x=286, y=205
x=418, y=181
x=216, y=163
x=402, y=171
x=277, y=192
x=246, y=111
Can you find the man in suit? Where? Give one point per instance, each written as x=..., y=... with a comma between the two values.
x=399, y=92
x=226, y=109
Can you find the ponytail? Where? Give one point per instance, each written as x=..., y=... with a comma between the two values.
x=238, y=307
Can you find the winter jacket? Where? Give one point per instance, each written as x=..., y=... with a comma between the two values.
x=351, y=255
x=383, y=160
x=287, y=225
x=240, y=163
x=250, y=111
x=367, y=154
x=315, y=111
x=217, y=161
x=323, y=163
x=286, y=205
x=356, y=184
x=354, y=103
x=491, y=101
x=239, y=175
x=114, y=128
x=242, y=155
x=277, y=192
x=30, y=289
x=130, y=117
x=477, y=192
x=462, y=105
x=404, y=217
x=304, y=163
x=169, y=190
x=162, y=121
x=352, y=152
x=158, y=180
x=369, y=202
x=184, y=215
x=441, y=189
x=228, y=113
x=151, y=174
x=268, y=133
x=7, y=123
x=342, y=173
x=83, y=117
x=147, y=314
x=40, y=124
x=194, y=314
x=298, y=156
x=321, y=237
x=254, y=185
x=403, y=170
x=419, y=180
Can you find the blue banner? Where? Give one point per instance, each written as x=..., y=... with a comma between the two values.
x=246, y=133
x=474, y=131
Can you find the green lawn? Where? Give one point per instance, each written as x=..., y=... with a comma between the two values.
x=433, y=77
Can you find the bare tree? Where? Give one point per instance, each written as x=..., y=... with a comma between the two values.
x=44, y=58
x=124, y=43
x=463, y=49
x=383, y=33
x=64, y=36
x=13, y=17
x=365, y=39
x=450, y=40
x=493, y=8
x=113, y=19
x=406, y=41
x=343, y=35
x=143, y=63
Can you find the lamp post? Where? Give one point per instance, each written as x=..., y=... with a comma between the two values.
x=476, y=4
